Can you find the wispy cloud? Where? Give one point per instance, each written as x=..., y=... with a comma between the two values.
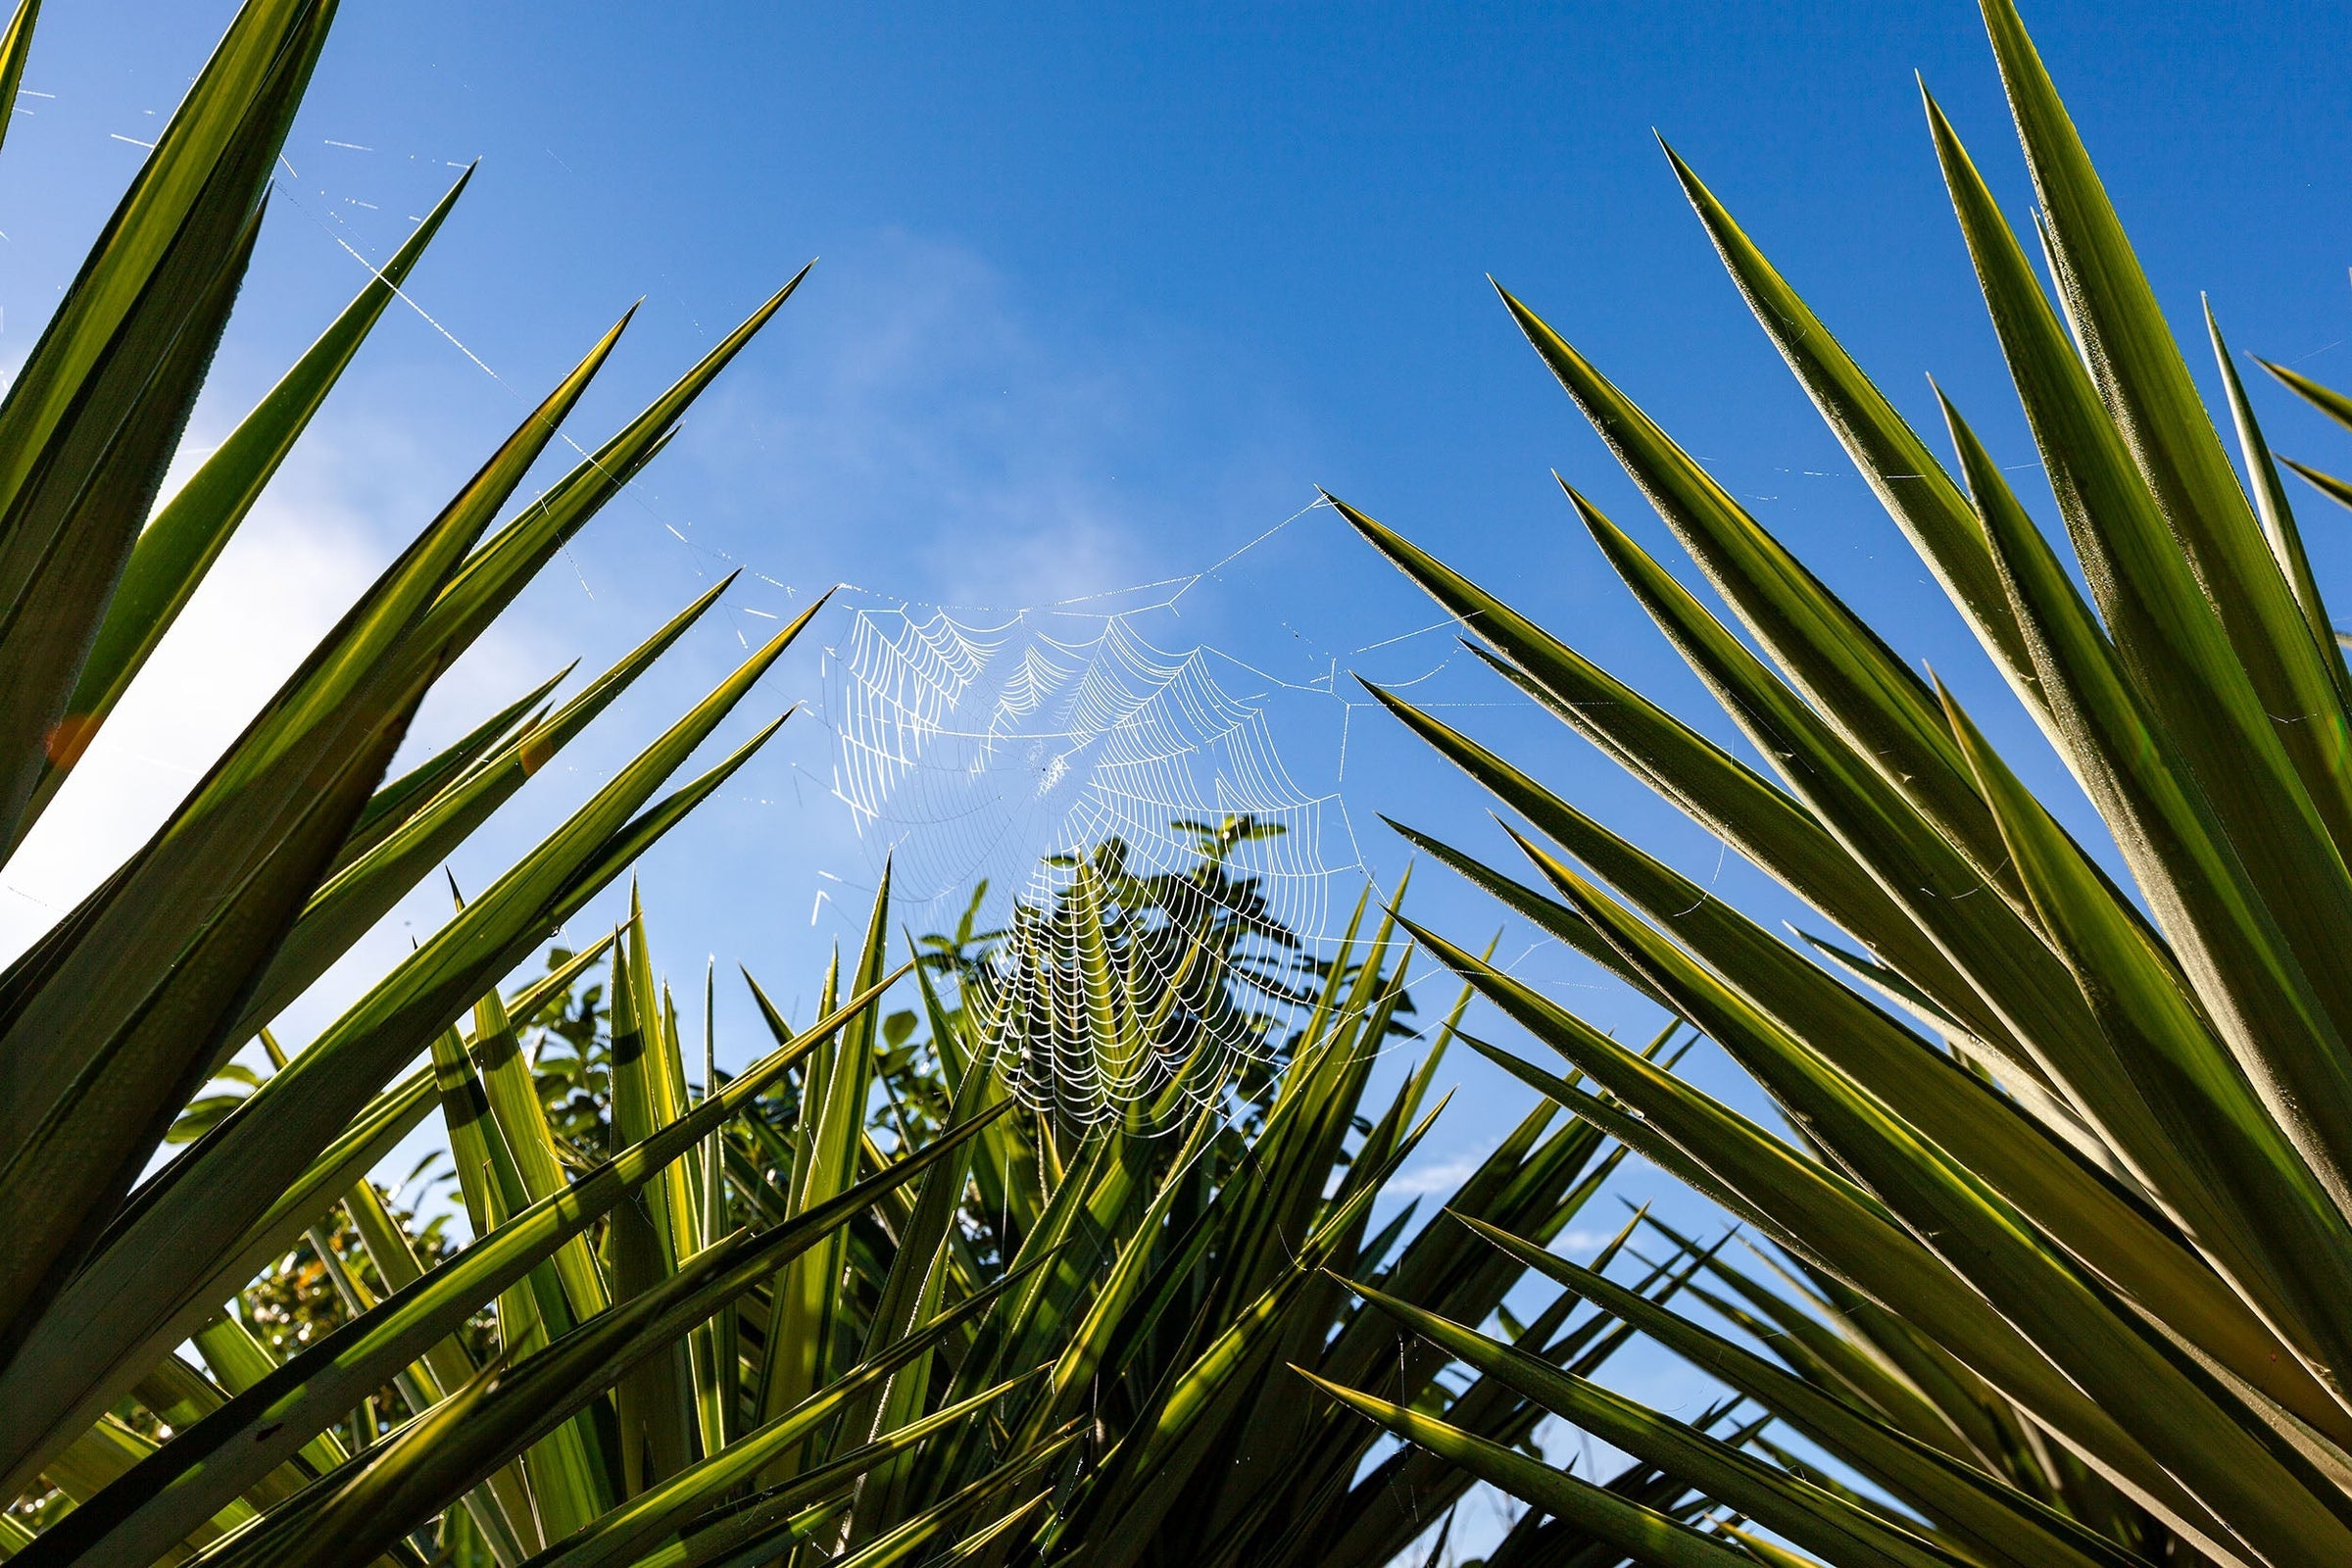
x=914, y=424
x=1439, y=1176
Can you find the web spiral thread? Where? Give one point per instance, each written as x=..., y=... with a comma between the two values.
x=1125, y=803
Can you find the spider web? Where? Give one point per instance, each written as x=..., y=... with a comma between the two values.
x=1008, y=751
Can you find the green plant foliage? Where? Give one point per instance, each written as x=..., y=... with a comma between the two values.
x=2062, y=1224
x=1024, y=1341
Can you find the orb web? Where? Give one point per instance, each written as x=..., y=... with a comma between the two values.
x=1149, y=847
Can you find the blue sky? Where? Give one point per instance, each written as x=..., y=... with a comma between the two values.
x=1105, y=292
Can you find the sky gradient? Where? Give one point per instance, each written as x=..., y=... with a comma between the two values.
x=1104, y=293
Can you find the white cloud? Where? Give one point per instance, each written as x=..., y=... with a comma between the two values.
x=243, y=632
x=1439, y=1176
x=298, y=563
